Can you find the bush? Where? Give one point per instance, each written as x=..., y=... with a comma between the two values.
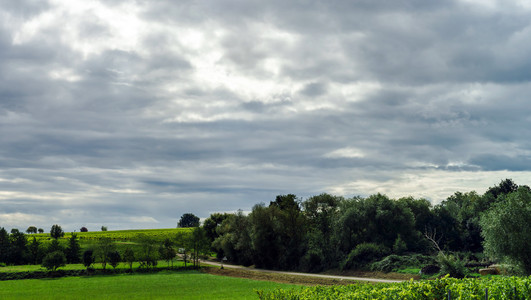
x=54, y=260
x=395, y=262
x=452, y=265
x=363, y=254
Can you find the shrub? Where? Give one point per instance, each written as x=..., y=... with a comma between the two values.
x=395, y=262
x=54, y=260
x=452, y=265
x=83, y=229
x=363, y=254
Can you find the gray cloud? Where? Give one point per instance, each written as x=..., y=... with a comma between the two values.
x=129, y=114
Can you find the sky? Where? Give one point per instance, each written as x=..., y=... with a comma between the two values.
x=129, y=114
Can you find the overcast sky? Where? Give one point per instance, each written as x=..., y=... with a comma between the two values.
x=130, y=113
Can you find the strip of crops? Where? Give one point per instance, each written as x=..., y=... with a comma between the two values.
x=470, y=288
x=120, y=235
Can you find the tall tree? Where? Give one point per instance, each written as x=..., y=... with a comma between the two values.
x=56, y=231
x=73, y=250
x=188, y=220
x=506, y=229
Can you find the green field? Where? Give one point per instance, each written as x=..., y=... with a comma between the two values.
x=163, y=285
x=117, y=235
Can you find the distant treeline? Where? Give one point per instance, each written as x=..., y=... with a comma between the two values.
x=327, y=231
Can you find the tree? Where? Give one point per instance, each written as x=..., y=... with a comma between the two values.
x=35, y=251
x=18, y=250
x=31, y=229
x=88, y=258
x=505, y=228
x=83, y=229
x=103, y=250
x=114, y=259
x=4, y=246
x=56, y=232
x=129, y=257
x=40, y=230
x=103, y=228
x=199, y=244
x=54, y=260
x=147, y=255
x=188, y=220
x=167, y=252
x=73, y=250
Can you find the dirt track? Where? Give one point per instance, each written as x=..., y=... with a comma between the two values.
x=290, y=277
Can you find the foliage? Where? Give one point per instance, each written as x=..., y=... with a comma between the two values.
x=104, y=248
x=35, y=252
x=56, y=231
x=188, y=220
x=363, y=254
x=395, y=262
x=452, y=265
x=129, y=257
x=498, y=288
x=54, y=260
x=114, y=258
x=73, y=250
x=167, y=252
x=88, y=258
x=148, y=255
x=31, y=229
x=103, y=228
x=83, y=229
x=506, y=229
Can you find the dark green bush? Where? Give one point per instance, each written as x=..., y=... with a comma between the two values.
x=452, y=265
x=363, y=254
x=395, y=262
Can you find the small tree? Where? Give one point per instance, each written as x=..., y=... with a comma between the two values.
x=105, y=247
x=31, y=229
x=40, y=230
x=148, y=252
x=55, y=246
x=114, y=259
x=54, y=260
x=56, y=231
x=103, y=228
x=35, y=251
x=88, y=258
x=129, y=257
x=83, y=229
x=188, y=220
x=167, y=252
x=72, y=250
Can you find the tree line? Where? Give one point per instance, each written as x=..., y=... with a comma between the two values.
x=17, y=249
x=326, y=231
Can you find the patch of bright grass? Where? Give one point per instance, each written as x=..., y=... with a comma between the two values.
x=163, y=285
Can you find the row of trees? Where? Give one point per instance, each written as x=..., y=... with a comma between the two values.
x=16, y=249
x=327, y=231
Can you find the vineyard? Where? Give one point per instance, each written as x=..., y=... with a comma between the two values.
x=119, y=235
x=445, y=288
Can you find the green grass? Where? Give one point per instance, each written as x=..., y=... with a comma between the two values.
x=29, y=268
x=163, y=285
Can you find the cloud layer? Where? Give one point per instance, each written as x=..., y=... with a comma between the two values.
x=130, y=113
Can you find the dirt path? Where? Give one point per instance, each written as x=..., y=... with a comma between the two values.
x=335, y=277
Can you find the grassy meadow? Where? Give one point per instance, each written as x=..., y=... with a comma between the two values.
x=162, y=285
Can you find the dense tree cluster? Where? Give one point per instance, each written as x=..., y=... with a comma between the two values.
x=327, y=231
